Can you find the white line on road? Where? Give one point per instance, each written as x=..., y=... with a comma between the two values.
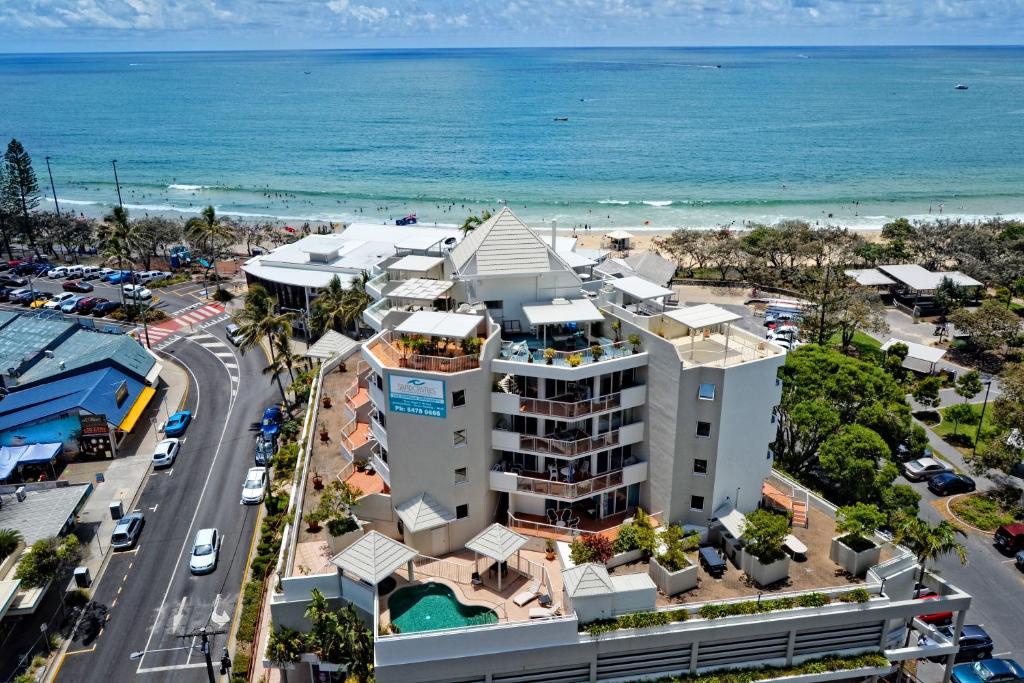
x=153, y=509
x=178, y=616
x=1001, y=654
x=171, y=667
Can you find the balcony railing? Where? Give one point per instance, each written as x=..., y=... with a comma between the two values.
x=387, y=351
x=562, y=447
x=555, y=408
x=594, y=353
x=559, y=489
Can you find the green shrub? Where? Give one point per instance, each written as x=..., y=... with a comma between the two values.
x=717, y=611
x=76, y=598
x=285, y=458
x=635, y=537
x=635, y=620
x=856, y=595
x=223, y=296
x=175, y=279
x=290, y=429
x=677, y=544
x=240, y=665
x=764, y=532
x=252, y=595
x=814, y=666
x=590, y=548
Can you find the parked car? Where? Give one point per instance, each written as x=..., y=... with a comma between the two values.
x=5, y=293
x=91, y=272
x=205, y=549
x=58, y=300
x=989, y=671
x=937, y=617
x=23, y=268
x=1009, y=538
x=118, y=277
x=166, y=452
x=271, y=423
x=924, y=468
x=178, y=423
x=105, y=308
x=127, y=531
x=57, y=273
x=233, y=333
x=87, y=303
x=75, y=271
x=137, y=292
x=12, y=280
x=20, y=296
x=264, y=450
x=1019, y=560
x=255, y=486
x=950, y=483
x=40, y=269
x=77, y=286
x=105, y=274
x=71, y=304
x=975, y=643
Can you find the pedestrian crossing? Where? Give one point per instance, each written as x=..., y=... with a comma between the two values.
x=223, y=352
x=187, y=320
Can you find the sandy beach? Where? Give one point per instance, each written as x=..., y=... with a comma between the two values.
x=644, y=240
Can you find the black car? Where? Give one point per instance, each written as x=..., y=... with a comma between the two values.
x=24, y=269
x=12, y=281
x=950, y=483
x=105, y=308
x=974, y=643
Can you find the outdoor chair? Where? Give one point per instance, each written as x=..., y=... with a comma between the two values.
x=544, y=612
x=574, y=523
x=566, y=515
x=529, y=594
x=476, y=580
x=552, y=516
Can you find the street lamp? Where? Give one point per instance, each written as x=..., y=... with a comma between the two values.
x=52, y=188
x=305, y=320
x=977, y=434
x=117, y=183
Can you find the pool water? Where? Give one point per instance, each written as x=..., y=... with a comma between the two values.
x=431, y=606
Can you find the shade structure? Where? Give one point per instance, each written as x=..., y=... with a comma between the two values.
x=438, y=324
x=331, y=344
x=920, y=358
x=920, y=279
x=732, y=519
x=32, y=454
x=619, y=235
x=373, y=558
x=703, y=315
x=640, y=288
x=870, y=277
x=421, y=289
x=422, y=512
x=563, y=311
x=416, y=264
x=587, y=579
x=497, y=542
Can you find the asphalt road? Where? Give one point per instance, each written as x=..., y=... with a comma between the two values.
x=150, y=593
x=992, y=579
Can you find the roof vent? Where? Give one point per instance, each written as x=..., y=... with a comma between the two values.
x=61, y=364
x=20, y=494
x=48, y=353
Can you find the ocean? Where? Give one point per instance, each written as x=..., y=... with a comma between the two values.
x=653, y=138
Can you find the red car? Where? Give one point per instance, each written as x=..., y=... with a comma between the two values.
x=88, y=303
x=937, y=617
x=77, y=286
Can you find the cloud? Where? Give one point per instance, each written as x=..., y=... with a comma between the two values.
x=461, y=22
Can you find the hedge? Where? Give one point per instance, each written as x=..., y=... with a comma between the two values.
x=758, y=607
x=252, y=594
x=814, y=666
x=635, y=620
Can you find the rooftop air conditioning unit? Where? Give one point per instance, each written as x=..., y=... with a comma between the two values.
x=48, y=353
x=20, y=494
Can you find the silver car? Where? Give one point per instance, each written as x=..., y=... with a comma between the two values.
x=205, y=549
x=255, y=486
x=126, y=533
x=924, y=468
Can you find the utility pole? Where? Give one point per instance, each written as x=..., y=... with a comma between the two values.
x=52, y=187
x=117, y=183
x=204, y=634
x=977, y=434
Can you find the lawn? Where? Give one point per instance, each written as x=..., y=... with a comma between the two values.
x=982, y=511
x=964, y=438
x=867, y=346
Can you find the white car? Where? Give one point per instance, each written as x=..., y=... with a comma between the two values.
x=255, y=486
x=58, y=300
x=165, y=452
x=205, y=549
x=924, y=468
x=57, y=273
x=136, y=292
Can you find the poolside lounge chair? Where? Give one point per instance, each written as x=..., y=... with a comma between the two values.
x=476, y=580
x=529, y=595
x=544, y=612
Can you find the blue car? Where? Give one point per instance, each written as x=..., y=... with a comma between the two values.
x=271, y=424
x=178, y=423
x=989, y=671
x=117, y=278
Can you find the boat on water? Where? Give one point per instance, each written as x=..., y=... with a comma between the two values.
x=561, y=118
x=960, y=86
x=307, y=72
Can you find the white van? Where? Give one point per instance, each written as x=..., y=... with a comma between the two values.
x=90, y=272
x=75, y=271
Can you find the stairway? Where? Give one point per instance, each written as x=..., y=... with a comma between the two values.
x=799, y=513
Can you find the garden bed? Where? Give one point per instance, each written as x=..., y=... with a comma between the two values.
x=982, y=511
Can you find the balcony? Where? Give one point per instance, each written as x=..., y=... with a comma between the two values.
x=564, y=407
x=435, y=356
x=568, y=353
x=538, y=483
x=566, y=444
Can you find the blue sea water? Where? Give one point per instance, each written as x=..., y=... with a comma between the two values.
x=658, y=138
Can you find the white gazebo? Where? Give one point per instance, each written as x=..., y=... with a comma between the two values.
x=641, y=291
x=562, y=312
x=421, y=291
x=703, y=317
x=440, y=324
x=374, y=557
x=422, y=513
x=497, y=542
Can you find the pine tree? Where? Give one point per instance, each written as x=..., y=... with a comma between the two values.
x=21, y=188
x=6, y=212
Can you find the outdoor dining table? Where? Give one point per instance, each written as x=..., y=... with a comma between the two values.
x=712, y=560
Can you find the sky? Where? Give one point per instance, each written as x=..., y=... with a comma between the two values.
x=140, y=25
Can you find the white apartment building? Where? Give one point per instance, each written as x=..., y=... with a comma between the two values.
x=504, y=387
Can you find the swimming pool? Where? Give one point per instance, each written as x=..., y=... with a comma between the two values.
x=431, y=606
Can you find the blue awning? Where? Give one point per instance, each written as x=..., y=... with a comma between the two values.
x=36, y=453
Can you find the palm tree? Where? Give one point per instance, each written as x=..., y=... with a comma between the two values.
x=329, y=307
x=9, y=540
x=275, y=369
x=208, y=234
x=340, y=637
x=473, y=222
x=355, y=301
x=285, y=354
x=119, y=237
x=257, y=321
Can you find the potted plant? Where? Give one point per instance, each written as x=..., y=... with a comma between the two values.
x=617, y=329
x=404, y=343
x=634, y=341
x=636, y=540
x=318, y=481
x=596, y=351
x=549, y=355
x=549, y=549
x=672, y=571
x=313, y=520
x=852, y=549
x=574, y=360
x=471, y=345
x=764, y=559
x=326, y=401
x=325, y=436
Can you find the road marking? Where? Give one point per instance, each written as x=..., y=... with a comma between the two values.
x=120, y=588
x=231, y=365
x=171, y=667
x=153, y=509
x=1007, y=561
x=219, y=619
x=226, y=354
x=178, y=617
x=131, y=564
x=1001, y=654
x=125, y=577
x=113, y=604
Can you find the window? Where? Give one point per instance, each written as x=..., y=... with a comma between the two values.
x=700, y=466
x=696, y=502
x=459, y=438
x=379, y=381
x=458, y=398
x=461, y=511
x=706, y=392
x=461, y=475
x=704, y=430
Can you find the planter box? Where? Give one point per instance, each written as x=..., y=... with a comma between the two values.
x=624, y=558
x=852, y=561
x=339, y=543
x=764, y=574
x=671, y=583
